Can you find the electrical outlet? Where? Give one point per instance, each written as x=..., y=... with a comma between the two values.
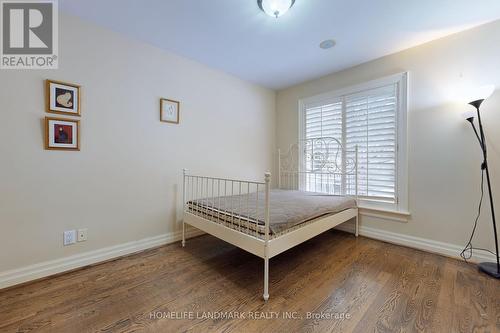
x=69, y=237
x=82, y=235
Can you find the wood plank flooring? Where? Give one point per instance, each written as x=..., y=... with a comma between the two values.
x=332, y=283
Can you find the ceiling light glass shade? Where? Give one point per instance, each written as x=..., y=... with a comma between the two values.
x=275, y=8
x=480, y=93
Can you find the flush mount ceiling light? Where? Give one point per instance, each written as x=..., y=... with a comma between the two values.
x=327, y=44
x=275, y=8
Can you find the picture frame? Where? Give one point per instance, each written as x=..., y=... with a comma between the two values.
x=62, y=134
x=63, y=98
x=170, y=111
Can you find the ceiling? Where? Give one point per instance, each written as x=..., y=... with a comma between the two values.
x=236, y=37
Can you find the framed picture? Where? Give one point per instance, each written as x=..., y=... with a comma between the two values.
x=63, y=98
x=62, y=134
x=169, y=111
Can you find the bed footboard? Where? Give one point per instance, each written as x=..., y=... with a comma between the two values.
x=210, y=199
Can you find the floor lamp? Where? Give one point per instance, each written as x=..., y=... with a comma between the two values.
x=490, y=268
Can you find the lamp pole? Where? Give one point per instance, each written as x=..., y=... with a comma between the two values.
x=489, y=268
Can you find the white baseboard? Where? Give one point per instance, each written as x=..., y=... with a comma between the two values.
x=37, y=271
x=445, y=249
x=44, y=269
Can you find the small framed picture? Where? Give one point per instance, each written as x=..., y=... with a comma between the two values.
x=169, y=111
x=63, y=98
x=62, y=134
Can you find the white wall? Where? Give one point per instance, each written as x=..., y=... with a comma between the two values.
x=444, y=157
x=125, y=183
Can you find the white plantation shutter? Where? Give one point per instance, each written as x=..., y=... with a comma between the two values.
x=371, y=125
x=323, y=120
x=367, y=119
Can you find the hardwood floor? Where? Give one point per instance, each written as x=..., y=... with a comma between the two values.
x=332, y=283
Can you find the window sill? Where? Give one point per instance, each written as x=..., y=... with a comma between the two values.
x=385, y=214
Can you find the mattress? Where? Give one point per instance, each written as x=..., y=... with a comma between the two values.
x=288, y=209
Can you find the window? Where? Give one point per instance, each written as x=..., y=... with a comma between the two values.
x=372, y=118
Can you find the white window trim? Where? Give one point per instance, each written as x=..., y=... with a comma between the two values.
x=402, y=81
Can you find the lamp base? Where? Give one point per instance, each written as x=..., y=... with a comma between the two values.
x=490, y=268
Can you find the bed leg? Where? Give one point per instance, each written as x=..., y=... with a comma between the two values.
x=184, y=174
x=183, y=234
x=356, y=232
x=266, y=237
x=266, y=279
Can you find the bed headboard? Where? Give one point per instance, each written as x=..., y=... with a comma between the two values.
x=319, y=165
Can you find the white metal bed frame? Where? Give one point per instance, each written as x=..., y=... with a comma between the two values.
x=313, y=159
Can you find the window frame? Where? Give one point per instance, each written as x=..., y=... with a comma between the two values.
x=401, y=182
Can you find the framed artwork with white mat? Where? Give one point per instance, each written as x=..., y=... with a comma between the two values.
x=62, y=134
x=63, y=98
x=169, y=111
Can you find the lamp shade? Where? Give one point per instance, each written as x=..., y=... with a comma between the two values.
x=275, y=8
x=469, y=115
